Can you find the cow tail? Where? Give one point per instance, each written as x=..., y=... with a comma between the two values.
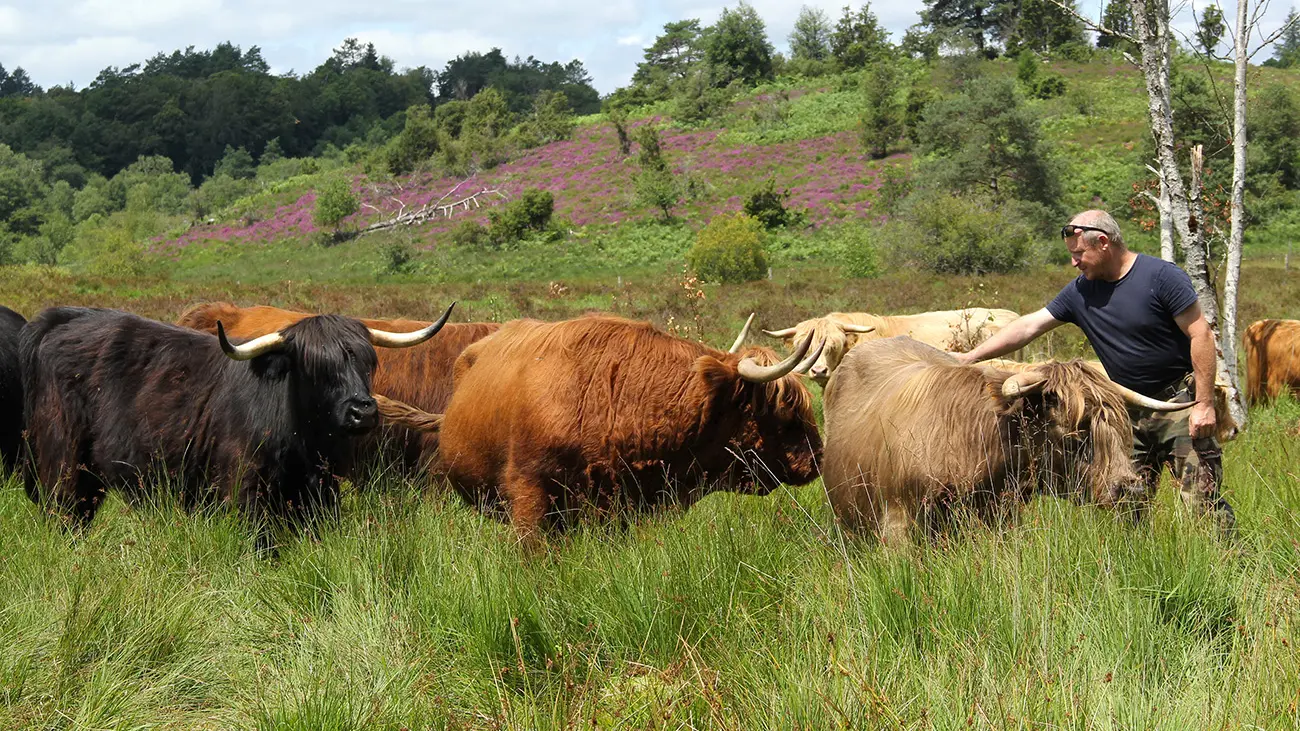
x=402, y=414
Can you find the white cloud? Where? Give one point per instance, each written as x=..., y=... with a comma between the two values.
x=61, y=40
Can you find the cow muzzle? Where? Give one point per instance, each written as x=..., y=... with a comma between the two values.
x=360, y=415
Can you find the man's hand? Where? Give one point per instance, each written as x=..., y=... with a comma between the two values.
x=963, y=358
x=1202, y=420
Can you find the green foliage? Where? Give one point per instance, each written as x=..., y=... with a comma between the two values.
x=882, y=115
x=1043, y=26
x=965, y=234
x=859, y=39
x=397, y=257
x=1275, y=136
x=1116, y=17
x=1286, y=53
x=918, y=98
x=767, y=206
x=655, y=184
x=22, y=193
x=272, y=153
x=986, y=139
x=417, y=142
x=217, y=193
x=860, y=253
x=113, y=246
x=700, y=98
x=98, y=197
x=618, y=118
x=1027, y=64
x=470, y=234
x=810, y=39
x=236, y=163
x=335, y=201
x=150, y=184
x=1049, y=86
x=551, y=120
x=1210, y=28
x=669, y=58
x=449, y=117
x=738, y=47
x=529, y=213
x=729, y=250
x=895, y=185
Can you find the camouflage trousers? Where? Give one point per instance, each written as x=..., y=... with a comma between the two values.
x=1164, y=439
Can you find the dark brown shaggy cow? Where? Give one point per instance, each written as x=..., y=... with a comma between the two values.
x=1272, y=359
x=603, y=412
x=11, y=388
x=419, y=376
x=111, y=395
x=910, y=434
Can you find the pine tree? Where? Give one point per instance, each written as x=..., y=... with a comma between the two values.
x=811, y=38
x=738, y=44
x=1209, y=30
x=1116, y=17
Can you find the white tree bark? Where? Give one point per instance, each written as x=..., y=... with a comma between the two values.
x=1165, y=208
x=1228, y=341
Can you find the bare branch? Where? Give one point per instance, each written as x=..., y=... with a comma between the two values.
x=1090, y=25
x=428, y=211
x=1272, y=38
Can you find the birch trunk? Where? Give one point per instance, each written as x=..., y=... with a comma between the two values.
x=1228, y=339
x=1166, y=224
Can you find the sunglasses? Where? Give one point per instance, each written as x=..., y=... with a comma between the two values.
x=1072, y=229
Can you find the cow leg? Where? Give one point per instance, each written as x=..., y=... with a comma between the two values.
x=895, y=523
x=76, y=497
x=526, y=496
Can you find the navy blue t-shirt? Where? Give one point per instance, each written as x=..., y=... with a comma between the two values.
x=1130, y=323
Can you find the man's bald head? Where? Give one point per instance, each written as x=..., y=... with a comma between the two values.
x=1102, y=220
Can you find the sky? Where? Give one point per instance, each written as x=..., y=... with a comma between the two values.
x=69, y=41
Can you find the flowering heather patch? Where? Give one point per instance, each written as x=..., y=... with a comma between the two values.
x=591, y=183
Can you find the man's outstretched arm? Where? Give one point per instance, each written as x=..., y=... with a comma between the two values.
x=1015, y=336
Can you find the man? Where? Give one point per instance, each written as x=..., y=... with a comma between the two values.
x=1143, y=320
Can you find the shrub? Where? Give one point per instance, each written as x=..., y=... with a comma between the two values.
x=1050, y=86
x=397, y=257
x=417, y=142
x=1027, y=68
x=859, y=253
x=956, y=234
x=470, y=234
x=729, y=250
x=895, y=185
x=881, y=123
x=530, y=212
x=236, y=163
x=767, y=206
x=334, y=202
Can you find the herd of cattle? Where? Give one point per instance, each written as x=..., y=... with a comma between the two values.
x=544, y=423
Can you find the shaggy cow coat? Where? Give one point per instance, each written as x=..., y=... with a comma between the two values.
x=11, y=388
x=551, y=418
x=910, y=434
x=111, y=396
x=419, y=376
x=1272, y=354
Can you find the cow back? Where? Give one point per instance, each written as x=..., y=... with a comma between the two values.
x=11, y=388
x=1272, y=355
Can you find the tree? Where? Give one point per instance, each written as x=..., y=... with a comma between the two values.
x=811, y=38
x=1115, y=17
x=1043, y=26
x=986, y=139
x=1209, y=30
x=551, y=120
x=859, y=39
x=334, y=202
x=16, y=83
x=737, y=44
x=656, y=186
x=882, y=116
x=417, y=142
x=978, y=20
x=673, y=52
x=1275, y=136
x=236, y=163
x=1287, y=52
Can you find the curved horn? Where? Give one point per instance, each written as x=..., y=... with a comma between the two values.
x=807, y=363
x=386, y=339
x=744, y=333
x=253, y=348
x=755, y=373
x=859, y=329
x=1136, y=399
x=783, y=333
x=1023, y=383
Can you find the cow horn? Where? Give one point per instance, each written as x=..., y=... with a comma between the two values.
x=744, y=333
x=849, y=327
x=1136, y=399
x=782, y=333
x=386, y=339
x=755, y=373
x=253, y=348
x=807, y=363
x=1023, y=383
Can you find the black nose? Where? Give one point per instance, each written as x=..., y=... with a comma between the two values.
x=363, y=411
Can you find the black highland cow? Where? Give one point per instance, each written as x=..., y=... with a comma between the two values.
x=266, y=424
x=11, y=388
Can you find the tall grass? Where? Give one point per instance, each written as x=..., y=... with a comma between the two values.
x=413, y=611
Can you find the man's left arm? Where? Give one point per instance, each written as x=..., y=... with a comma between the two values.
x=1201, y=421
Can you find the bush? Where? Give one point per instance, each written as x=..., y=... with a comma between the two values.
x=334, y=202
x=1027, y=68
x=530, y=212
x=956, y=234
x=895, y=185
x=859, y=253
x=217, y=193
x=397, y=257
x=417, y=142
x=767, y=206
x=469, y=234
x=882, y=121
x=729, y=250
x=1050, y=86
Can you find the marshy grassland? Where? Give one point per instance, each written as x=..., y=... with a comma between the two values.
x=413, y=611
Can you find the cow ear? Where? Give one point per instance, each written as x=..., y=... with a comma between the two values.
x=720, y=377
